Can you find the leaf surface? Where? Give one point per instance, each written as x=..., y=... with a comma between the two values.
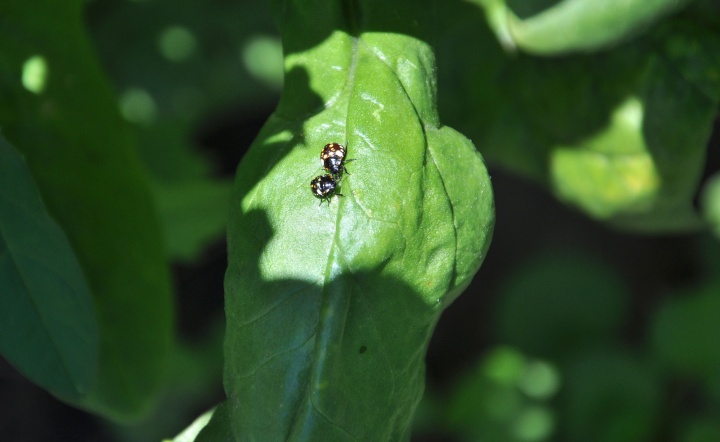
x=82, y=158
x=330, y=308
x=48, y=328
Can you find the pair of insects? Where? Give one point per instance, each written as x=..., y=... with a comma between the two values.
x=333, y=161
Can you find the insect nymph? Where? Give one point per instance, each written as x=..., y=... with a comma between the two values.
x=324, y=187
x=333, y=159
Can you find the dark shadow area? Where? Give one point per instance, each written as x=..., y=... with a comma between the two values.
x=30, y=414
x=227, y=135
x=313, y=361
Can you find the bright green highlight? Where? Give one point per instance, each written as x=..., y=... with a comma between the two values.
x=711, y=203
x=35, y=74
x=263, y=58
x=611, y=172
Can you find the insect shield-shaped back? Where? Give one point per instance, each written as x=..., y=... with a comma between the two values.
x=324, y=187
x=333, y=159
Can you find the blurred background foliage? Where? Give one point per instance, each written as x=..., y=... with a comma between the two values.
x=577, y=327
x=183, y=74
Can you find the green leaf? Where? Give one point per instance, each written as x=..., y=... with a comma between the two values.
x=695, y=51
x=330, y=308
x=48, y=328
x=575, y=25
x=166, y=150
x=611, y=172
x=82, y=157
x=638, y=169
x=176, y=67
x=676, y=127
x=621, y=135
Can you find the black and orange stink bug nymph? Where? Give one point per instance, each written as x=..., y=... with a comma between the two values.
x=324, y=187
x=333, y=159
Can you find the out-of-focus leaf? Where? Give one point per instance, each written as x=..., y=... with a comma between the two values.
x=48, y=328
x=695, y=51
x=134, y=40
x=186, y=62
x=192, y=206
x=469, y=93
x=330, y=308
x=167, y=153
x=133, y=37
x=686, y=333
x=192, y=213
x=639, y=168
x=612, y=172
x=676, y=127
x=194, y=380
x=620, y=135
x=81, y=155
x=558, y=304
x=610, y=396
x=488, y=403
x=575, y=25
